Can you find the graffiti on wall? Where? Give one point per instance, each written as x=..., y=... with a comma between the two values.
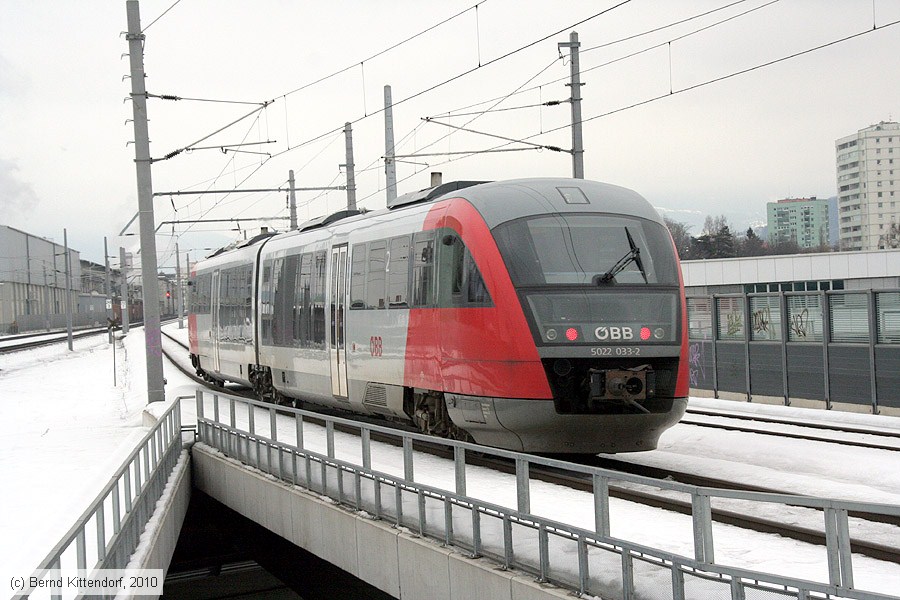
x=761, y=320
x=734, y=323
x=696, y=363
x=800, y=323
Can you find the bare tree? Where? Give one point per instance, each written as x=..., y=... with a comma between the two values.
x=682, y=238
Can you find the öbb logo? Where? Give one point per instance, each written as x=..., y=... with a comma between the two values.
x=614, y=333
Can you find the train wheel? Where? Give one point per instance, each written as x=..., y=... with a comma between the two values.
x=261, y=377
x=430, y=416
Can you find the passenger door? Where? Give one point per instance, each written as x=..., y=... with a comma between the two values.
x=338, y=329
x=214, y=329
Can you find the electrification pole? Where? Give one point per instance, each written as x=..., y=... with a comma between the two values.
x=109, y=310
x=293, y=200
x=123, y=301
x=575, y=76
x=390, y=167
x=179, y=303
x=149, y=281
x=351, y=176
x=68, y=289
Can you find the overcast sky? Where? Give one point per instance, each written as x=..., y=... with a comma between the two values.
x=723, y=148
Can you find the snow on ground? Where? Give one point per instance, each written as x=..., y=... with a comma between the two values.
x=64, y=430
x=61, y=447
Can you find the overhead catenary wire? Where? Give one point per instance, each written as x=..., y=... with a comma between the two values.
x=312, y=140
x=160, y=16
x=429, y=89
x=670, y=94
x=671, y=91
x=384, y=51
x=177, y=98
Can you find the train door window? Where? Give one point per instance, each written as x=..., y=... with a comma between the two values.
x=318, y=296
x=265, y=302
x=398, y=273
x=303, y=302
x=375, y=275
x=423, y=269
x=221, y=319
x=358, y=277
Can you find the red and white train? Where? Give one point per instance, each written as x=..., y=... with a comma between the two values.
x=539, y=315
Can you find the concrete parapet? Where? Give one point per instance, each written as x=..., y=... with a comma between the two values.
x=158, y=543
x=389, y=558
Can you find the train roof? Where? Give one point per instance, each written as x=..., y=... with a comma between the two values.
x=497, y=202
x=502, y=201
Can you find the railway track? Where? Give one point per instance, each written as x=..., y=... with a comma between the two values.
x=28, y=341
x=647, y=496
x=734, y=422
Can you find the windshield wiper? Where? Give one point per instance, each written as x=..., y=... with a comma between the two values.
x=633, y=255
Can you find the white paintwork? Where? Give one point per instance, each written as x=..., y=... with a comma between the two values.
x=799, y=267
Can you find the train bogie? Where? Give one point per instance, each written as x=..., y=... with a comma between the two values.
x=537, y=315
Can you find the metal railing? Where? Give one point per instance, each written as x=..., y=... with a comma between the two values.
x=107, y=533
x=868, y=327
x=589, y=562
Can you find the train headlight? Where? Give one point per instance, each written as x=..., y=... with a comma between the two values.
x=645, y=333
x=551, y=335
x=659, y=333
x=571, y=334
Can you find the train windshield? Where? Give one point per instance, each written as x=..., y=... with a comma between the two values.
x=586, y=249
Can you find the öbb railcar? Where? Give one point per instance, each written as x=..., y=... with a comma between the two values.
x=539, y=315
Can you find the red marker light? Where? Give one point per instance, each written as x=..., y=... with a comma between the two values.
x=571, y=334
x=645, y=333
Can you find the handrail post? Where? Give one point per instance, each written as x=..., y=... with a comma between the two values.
x=366, y=448
x=837, y=543
x=329, y=438
x=523, y=491
x=459, y=468
x=701, y=514
x=408, y=471
x=601, y=505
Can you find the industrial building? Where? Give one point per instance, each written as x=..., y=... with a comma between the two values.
x=35, y=286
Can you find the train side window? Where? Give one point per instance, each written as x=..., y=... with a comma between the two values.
x=450, y=269
x=375, y=275
x=459, y=280
x=284, y=300
x=474, y=284
x=423, y=269
x=358, y=277
x=398, y=273
x=303, y=302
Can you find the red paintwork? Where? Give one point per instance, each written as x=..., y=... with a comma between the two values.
x=475, y=351
x=682, y=384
